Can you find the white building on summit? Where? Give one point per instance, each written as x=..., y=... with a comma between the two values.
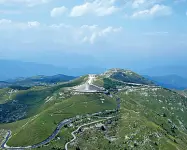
x=89, y=87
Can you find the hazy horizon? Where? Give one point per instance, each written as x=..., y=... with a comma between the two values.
x=109, y=34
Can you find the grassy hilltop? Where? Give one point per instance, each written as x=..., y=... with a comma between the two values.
x=150, y=117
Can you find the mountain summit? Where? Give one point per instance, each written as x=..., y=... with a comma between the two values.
x=118, y=109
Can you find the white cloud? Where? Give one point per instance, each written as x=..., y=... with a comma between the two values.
x=33, y=24
x=29, y=3
x=58, y=11
x=101, y=33
x=144, y=3
x=9, y=24
x=137, y=3
x=140, y=4
x=5, y=22
x=85, y=33
x=59, y=33
x=156, y=10
x=96, y=7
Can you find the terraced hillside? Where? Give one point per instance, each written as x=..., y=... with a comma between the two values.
x=147, y=117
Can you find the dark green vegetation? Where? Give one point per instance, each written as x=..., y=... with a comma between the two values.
x=110, y=84
x=117, y=78
x=27, y=103
x=130, y=77
x=43, y=79
x=17, y=87
x=150, y=117
x=39, y=127
x=4, y=95
x=40, y=109
x=36, y=81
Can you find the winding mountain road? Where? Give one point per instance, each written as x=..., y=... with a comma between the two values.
x=73, y=133
x=57, y=130
x=51, y=137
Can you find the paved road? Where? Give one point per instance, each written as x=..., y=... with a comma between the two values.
x=57, y=130
x=46, y=141
x=73, y=133
x=55, y=133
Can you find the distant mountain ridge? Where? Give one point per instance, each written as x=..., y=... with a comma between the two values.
x=4, y=84
x=147, y=116
x=165, y=71
x=11, y=69
x=36, y=80
x=46, y=79
x=169, y=81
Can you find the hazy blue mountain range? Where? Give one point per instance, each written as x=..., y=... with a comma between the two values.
x=11, y=69
x=4, y=84
x=170, y=81
x=165, y=70
x=40, y=80
x=173, y=77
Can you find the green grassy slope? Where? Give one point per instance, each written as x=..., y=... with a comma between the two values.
x=149, y=118
x=42, y=125
x=182, y=92
x=4, y=95
x=117, y=78
x=27, y=103
x=126, y=76
x=155, y=114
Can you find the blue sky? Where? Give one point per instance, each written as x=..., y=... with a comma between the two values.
x=108, y=33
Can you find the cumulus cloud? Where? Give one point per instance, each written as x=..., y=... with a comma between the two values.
x=5, y=21
x=156, y=10
x=86, y=33
x=29, y=3
x=59, y=33
x=144, y=3
x=33, y=24
x=137, y=3
x=101, y=33
x=58, y=11
x=9, y=24
x=96, y=7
